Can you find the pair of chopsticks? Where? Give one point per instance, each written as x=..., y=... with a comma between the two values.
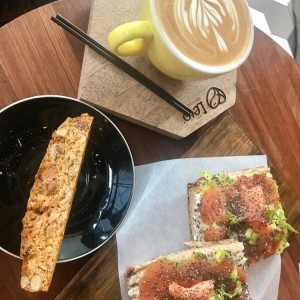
x=134, y=73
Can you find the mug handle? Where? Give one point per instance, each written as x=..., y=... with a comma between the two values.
x=130, y=39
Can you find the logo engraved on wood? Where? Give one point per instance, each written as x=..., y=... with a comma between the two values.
x=214, y=98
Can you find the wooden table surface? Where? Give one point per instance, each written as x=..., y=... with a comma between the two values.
x=37, y=57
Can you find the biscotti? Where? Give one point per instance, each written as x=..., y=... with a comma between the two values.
x=206, y=272
x=244, y=205
x=50, y=202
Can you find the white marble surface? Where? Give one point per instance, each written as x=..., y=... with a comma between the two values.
x=277, y=19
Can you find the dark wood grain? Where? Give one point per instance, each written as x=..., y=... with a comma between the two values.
x=10, y=278
x=83, y=285
x=38, y=57
x=268, y=93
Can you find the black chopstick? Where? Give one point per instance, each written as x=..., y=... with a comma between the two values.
x=134, y=73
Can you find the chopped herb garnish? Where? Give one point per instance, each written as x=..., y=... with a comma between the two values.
x=221, y=294
x=221, y=254
x=201, y=254
x=251, y=236
x=221, y=179
x=276, y=216
x=233, y=219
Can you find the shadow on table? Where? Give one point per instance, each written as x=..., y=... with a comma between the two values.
x=296, y=10
x=11, y=9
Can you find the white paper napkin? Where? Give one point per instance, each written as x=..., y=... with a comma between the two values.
x=157, y=222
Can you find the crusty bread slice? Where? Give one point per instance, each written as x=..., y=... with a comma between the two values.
x=50, y=202
x=236, y=203
x=135, y=275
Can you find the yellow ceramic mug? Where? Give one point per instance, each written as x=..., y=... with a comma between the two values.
x=188, y=39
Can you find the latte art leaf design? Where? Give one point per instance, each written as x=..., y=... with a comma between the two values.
x=206, y=18
x=213, y=33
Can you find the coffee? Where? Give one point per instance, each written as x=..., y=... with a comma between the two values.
x=188, y=39
x=209, y=32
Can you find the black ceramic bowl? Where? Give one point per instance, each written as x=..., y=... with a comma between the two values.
x=106, y=181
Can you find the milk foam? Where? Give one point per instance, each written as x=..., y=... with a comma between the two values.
x=211, y=32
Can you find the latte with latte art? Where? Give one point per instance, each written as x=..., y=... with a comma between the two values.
x=209, y=32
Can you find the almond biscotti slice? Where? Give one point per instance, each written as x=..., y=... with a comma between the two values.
x=50, y=202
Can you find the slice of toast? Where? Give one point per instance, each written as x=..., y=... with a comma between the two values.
x=50, y=202
x=201, y=273
x=244, y=205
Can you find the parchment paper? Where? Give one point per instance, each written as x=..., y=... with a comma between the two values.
x=157, y=222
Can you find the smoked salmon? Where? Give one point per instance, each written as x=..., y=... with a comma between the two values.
x=210, y=271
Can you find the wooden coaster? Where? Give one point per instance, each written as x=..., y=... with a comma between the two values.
x=115, y=92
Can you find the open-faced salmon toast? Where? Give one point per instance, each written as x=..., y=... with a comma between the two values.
x=243, y=205
x=210, y=272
